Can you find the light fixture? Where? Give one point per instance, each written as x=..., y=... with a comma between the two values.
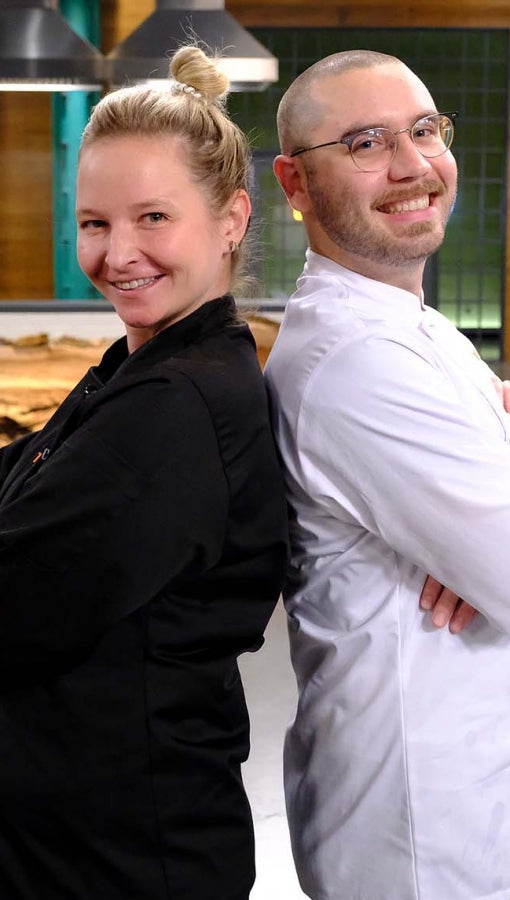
x=144, y=55
x=40, y=51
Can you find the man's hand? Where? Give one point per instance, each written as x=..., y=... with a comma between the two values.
x=446, y=606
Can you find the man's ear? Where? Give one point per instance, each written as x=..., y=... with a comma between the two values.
x=292, y=177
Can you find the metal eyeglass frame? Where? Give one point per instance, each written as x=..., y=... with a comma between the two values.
x=349, y=139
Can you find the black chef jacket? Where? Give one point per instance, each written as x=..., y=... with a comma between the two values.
x=142, y=548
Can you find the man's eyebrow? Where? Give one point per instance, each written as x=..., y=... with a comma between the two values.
x=362, y=126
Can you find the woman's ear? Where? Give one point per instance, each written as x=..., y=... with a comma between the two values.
x=237, y=217
x=292, y=177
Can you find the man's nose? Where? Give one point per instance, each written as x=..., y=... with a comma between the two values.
x=407, y=160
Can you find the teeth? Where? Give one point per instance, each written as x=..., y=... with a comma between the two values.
x=409, y=205
x=131, y=285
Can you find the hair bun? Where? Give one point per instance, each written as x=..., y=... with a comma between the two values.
x=198, y=74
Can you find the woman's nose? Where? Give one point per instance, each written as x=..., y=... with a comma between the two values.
x=121, y=248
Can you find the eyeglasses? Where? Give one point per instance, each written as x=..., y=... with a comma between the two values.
x=373, y=150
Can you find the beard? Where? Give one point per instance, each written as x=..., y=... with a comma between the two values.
x=351, y=229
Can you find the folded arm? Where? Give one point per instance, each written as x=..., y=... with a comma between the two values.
x=431, y=479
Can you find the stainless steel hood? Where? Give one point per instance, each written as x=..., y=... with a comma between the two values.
x=144, y=55
x=40, y=51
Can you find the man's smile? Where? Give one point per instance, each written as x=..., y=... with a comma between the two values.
x=406, y=205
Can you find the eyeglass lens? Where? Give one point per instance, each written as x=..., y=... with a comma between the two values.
x=373, y=150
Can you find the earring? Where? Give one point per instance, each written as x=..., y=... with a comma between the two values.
x=233, y=246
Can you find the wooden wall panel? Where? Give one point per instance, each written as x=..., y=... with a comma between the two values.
x=372, y=13
x=26, y=265
x=119, y=18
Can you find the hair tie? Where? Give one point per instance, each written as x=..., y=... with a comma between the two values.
x=182, y=88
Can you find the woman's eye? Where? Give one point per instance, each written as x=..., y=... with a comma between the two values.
x=92, y=223
x=155, y=217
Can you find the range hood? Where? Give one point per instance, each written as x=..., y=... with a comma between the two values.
x=40, y=51
x=144, y=55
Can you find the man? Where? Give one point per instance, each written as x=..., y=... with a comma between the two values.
x=396, y=448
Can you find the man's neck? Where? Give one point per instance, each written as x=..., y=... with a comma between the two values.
x=406, y=277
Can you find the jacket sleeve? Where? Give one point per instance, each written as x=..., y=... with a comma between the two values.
x=134, y=498
x=384, y=432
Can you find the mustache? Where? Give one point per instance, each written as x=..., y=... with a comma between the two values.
x=428, y=186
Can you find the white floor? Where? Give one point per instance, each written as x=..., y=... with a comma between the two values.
x=270, y=693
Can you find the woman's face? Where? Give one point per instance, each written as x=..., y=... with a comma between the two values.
x=147, y=239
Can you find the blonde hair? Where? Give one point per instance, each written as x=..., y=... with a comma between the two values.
x=299, y=113
x=191, y=107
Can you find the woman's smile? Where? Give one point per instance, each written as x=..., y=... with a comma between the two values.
x=136, y=283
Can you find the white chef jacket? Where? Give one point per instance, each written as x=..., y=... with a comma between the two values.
x=396, y=445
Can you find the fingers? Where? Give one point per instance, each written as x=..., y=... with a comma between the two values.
x=446, y=607
x=430, y=593
x=440, y=600
x=462, y=616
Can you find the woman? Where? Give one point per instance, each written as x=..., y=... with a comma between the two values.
x=142, y=533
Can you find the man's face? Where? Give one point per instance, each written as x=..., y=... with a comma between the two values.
x=374, y=222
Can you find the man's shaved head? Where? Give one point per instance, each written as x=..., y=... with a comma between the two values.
x=298, y=113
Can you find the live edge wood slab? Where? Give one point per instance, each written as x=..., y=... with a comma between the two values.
x=36, y=373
